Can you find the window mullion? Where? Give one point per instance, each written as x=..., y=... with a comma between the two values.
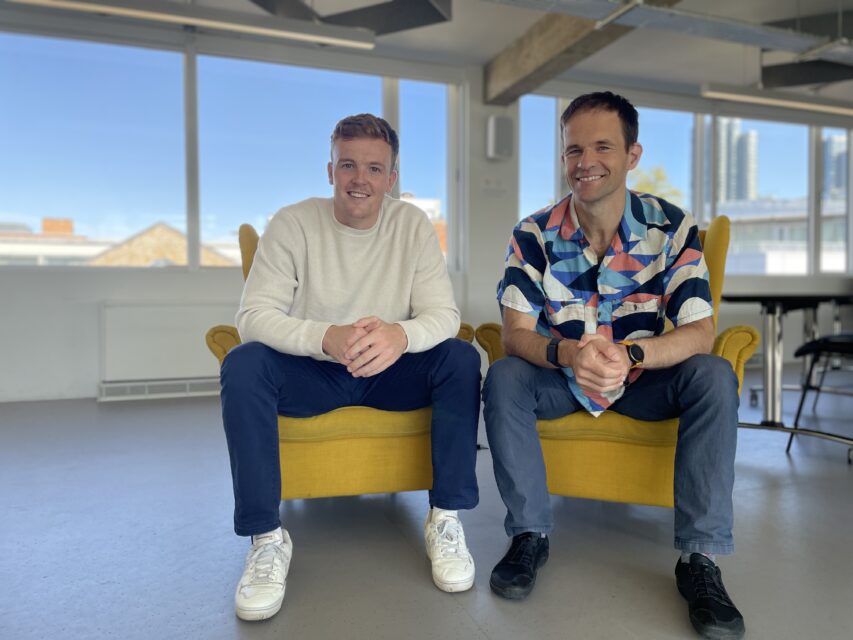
x=391, y=113
x=191, y=155
x=813, y=206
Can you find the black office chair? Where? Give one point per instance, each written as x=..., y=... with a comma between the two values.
x=838, y=345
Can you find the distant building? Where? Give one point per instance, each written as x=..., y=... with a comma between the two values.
x=834, y=166
x=737, y=161
x=57, y=244
x=432, y=207
x=746, y=177
x=157, y=246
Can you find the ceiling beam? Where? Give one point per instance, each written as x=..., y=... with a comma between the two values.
x=394, y=15
x=386, y=17
x=295, y=9
x=796, y=74
x=825, y=24
x=552, y=45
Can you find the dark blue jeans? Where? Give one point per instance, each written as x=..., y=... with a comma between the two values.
x=259, y=383
x=701, y=392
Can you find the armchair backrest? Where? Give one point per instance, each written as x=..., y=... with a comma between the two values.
x=248, y=246
x=715, y=246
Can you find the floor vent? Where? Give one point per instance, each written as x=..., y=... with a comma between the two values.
x=157, y=389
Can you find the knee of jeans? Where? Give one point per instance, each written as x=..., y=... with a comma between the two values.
x=506, y=378
x=712, y=373
x=244, y=362
x=461, y=356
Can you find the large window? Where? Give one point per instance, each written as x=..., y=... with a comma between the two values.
x=833, y=204
x=665, y=166
x=538, y=131
x=93, y=164
x=91, y=154
x=423, y=151
x=264, y=141
x=762, y=185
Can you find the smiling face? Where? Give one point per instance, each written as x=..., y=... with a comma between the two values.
x=596, y=160
x=362, y=174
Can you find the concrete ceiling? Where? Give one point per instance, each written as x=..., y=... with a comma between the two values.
x=479, y=30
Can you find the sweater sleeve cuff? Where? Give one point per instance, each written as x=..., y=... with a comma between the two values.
x=315, y=340
x=414, y=336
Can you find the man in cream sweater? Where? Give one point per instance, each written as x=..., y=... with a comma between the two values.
x=348, y=303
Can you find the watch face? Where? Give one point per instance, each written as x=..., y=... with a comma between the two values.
x=635, y=353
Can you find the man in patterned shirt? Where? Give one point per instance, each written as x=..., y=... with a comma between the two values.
x=588, y=285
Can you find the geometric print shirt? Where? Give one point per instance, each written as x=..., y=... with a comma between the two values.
x=653, y=269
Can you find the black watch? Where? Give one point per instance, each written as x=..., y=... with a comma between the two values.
x=635, y=353
x=552, y=353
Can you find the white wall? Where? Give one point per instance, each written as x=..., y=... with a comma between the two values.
x=49, y=321
x=492, y=208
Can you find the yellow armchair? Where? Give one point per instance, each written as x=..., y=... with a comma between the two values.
x=614, y=457
x=349, y=451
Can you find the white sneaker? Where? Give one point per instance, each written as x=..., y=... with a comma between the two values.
x=261, y=589
x=452, y=564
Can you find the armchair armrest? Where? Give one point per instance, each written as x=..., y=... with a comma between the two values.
x=466, y=332
x=221, y=339
x=489, y=337
x=737, y=344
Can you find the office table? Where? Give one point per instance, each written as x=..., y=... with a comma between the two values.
x=773, y=308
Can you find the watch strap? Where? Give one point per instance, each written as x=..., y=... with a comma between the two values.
x=552, y=353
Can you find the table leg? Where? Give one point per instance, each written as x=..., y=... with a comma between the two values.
x=810, y=332
x=836, y=329
x=772, y=340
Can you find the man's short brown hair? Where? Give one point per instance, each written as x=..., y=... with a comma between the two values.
x=367, y=125
x=607, y=101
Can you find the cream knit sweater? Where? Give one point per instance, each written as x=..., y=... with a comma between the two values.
x=311, y=272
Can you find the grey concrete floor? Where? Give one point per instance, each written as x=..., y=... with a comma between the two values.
x=115, y=522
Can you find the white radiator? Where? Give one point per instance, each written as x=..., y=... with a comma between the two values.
x=157, y=349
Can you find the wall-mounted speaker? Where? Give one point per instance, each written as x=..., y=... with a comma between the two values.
x=499, y=138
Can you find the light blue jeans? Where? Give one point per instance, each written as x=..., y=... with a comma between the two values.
x=701, y=391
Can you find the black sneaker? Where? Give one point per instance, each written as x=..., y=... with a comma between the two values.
x=712, y=611
x=514, y=576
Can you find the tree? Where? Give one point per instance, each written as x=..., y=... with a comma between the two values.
x=655, y=181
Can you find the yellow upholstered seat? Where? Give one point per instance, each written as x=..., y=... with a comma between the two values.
x=348, y=451
x=614, y=457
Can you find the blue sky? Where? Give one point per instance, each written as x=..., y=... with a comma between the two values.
x=95, y=132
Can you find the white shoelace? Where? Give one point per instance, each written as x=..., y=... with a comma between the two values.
x=450, y=537
x=265, y=563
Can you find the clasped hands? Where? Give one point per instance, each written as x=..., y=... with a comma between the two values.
x=600, y=365
x=367, y=346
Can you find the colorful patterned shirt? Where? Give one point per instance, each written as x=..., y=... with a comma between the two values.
x=654, y=269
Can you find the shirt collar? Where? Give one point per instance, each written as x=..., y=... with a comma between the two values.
x=630, y=226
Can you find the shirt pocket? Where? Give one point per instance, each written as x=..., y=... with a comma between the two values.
x=627, y=307
x=569, y=315
x=636, y=319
